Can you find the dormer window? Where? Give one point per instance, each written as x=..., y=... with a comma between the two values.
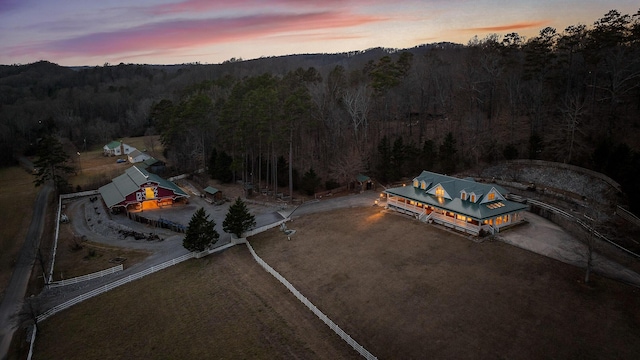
x=491, y=196
x=423, y=185
x=463, y=195
x=440, y=191
x=416, y=184
x=473, y=198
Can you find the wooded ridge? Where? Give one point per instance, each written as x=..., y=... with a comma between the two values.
x=570, y=96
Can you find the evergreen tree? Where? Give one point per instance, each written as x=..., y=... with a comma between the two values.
x=201, y=232
x=238, y=219
x=223, y=167
x=384, y=159
x=212, y=163
x=310, y=182
x=52, y=163
x=448, y=156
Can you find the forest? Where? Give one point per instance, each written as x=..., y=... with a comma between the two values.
x=571, y=96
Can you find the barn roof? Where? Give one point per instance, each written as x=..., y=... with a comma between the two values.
x=120, y=187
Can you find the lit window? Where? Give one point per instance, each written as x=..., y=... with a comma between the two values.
x=463, y=195
x=440, y=191
x=149, y=193
x=491, y=196
x=473, y=198
x=423, y=186
x=415, y=183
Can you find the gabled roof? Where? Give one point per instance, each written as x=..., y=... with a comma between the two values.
x=136, y=153
x=112, y=145
x=454, y=186
x=129, y=182
x=210, y=190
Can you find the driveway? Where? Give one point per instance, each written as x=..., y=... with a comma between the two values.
x=543, y=237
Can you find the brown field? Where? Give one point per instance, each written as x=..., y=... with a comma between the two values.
x=95, y=169
x=17, y=196
x=76, y=256
x=400, y=288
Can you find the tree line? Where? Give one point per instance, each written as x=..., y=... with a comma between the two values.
x=571, y=96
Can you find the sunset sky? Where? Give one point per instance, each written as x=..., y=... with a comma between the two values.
x=87, y=32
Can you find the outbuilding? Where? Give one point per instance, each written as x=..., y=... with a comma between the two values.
x=117, y=148
x=138, y=189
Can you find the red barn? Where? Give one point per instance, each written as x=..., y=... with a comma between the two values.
x=138, y=189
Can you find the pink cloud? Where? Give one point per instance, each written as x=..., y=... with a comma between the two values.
x=179, y=34
x=189, y=6
x=507, y=27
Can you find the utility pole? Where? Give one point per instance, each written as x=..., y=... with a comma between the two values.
x=589, y=249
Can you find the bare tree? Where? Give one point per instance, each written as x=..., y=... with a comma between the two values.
x=357, y=103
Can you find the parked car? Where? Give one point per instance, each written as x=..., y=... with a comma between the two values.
x=119, y=161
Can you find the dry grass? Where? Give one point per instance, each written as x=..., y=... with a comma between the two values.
x=17, y=194
x=401, y=288
x=95, y=169
x=77, y=256
x=220, y=307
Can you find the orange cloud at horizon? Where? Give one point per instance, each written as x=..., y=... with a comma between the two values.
x=507, y=27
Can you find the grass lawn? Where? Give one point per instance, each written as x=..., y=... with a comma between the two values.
x=95, y=169
x=220, y=307
x=400, y=288
x=17, y=194
x=77, y=256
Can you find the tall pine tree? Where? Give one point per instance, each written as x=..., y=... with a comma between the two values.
x=201, y=232
x=238, y=219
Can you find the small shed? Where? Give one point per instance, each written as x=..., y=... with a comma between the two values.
x=212, y=193
x=364, y=182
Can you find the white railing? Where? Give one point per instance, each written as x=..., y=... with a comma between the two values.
x=456, y=224
x=405, y=206
x=65, y=305
x=86, y=277
x=263, y=228
x=627, y=215
x=343, y=335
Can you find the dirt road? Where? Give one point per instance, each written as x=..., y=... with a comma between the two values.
x=15, y=293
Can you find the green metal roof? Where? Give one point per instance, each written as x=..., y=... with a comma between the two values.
x=129, y=182
x=453, y=186
x=113, y=144
x=210, y=190
x=362, y=178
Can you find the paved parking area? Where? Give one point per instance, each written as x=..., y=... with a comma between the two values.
x=543, y=237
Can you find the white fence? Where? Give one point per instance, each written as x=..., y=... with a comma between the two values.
x=86, y=277
x=263, y=228
x=343, y=335
x=113, y=285
x=627, y=215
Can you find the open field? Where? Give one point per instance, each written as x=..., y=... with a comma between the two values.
x=220, y=307
x=400, y=288
x=78, y=256
x=95, y=168
x=17, y=196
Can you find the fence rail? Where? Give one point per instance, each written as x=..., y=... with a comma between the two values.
x=65, y=305
x=86, y=277
x=263, y=228
x=333, y=326
x=627, y=215
x=584, y=225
